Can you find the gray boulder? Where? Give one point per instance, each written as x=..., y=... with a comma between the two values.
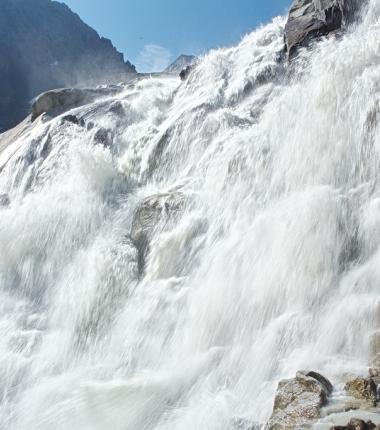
x=310, y=19
x=299, y=401
x=58, y=101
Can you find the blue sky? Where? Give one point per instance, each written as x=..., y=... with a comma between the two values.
x=152, y=33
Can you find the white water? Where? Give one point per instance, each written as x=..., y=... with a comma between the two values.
x=272, y=266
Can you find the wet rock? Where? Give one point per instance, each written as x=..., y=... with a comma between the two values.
x=117, y=109
x=310, y=19
x=61, y=100
x=184, y=74
x=73, y=119
x=364, y=389
x=327, y=385
x=90, y=126
x=4, y=200
x=103, y=136
x=58, y=100
x=153, y=211
x=357, y=424
x=299, y=401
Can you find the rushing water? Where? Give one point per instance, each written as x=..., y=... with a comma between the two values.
x=270, y=264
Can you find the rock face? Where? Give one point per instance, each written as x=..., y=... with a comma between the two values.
x=61, y=100
x=299, y=401
x=44, y=45
x=309, y=19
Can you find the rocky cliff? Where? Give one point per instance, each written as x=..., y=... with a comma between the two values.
x=309, y=19
x=44, y=45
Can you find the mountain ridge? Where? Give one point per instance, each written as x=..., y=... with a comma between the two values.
x=45, y=45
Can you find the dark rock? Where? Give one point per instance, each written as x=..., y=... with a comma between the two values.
x=90, y=126
x=299, y=401
x=4, y=200
x=310, y=19
x=321, y=379
x=103, y=136
x=44, y=45
x=73, y=119
x=185, y=72
x=117, y=108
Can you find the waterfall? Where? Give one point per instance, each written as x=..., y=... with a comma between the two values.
x=257, y=183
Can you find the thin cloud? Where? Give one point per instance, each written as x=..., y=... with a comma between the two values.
x=153, y=58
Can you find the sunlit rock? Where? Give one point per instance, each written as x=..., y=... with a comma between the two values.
x=299, y=401
x=362, y=389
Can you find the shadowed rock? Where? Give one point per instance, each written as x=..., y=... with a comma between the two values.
x=310, y=19
x=44, y=45
x=103, y=136
x=185, y=72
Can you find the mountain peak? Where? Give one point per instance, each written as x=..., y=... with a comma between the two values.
x=45, y=45
x=180, y=63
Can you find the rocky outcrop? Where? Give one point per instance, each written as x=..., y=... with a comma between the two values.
x=103, y=136
x=185, y=73
x=362, y=389
x=366, y=390
x=44, y=45
x=299, y=401
x=58, y=101
x=310, y=19
x=148, y=216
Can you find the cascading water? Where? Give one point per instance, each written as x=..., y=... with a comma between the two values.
x=265, y=262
